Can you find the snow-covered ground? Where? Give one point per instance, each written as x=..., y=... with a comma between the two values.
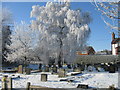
x=93, y=79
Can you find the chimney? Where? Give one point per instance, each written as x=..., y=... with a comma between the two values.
x=113, y=36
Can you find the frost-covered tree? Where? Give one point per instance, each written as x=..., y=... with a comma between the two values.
x=5, y=24
x=6, y=16
x=110, y=12
x=62, y=30
x=23, y=42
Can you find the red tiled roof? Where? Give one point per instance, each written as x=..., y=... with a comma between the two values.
x=117, y=47
x=115, y=40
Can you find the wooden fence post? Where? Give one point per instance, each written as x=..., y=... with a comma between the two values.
x=6, y=83
x=10, y=83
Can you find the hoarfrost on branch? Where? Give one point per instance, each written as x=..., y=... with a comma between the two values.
x=62, y=31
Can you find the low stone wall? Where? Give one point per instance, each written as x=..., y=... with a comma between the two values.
x=9, y=71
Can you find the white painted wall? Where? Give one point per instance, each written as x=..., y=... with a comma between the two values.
x=113, y=49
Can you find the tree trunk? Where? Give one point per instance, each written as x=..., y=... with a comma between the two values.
x=25, y=61
x=60, y=58
x=60, y=54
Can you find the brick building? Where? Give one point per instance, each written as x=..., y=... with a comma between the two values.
x=88, y=51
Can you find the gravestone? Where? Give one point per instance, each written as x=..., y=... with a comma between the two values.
x=82, y=67
x=61, y=73
x=6, y=83
x=83, y=86
x=90, y=68
x=105, y=67
x=20, y=69
x=111, y=69
x=28, y=71
x=46, y=69
x=77, y=69
x=54, y=69
x=40, y=66
x=43, y=68
x=69, y=66
x=44, y=77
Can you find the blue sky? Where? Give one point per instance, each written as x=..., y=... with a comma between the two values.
x=100, y=37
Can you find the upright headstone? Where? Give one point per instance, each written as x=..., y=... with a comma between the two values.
x=105, y=67
x=28, y=71
x=54, y=69
x=61, y=73
x=46, y=69
x=40, y=66
x=43, y=77
x=20, y=69
x=111, y=69
x=82, y=67
x=10, y=83
x=69, y=66
x=90, y=68
x=43, y=68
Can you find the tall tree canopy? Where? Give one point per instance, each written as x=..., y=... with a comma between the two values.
x=6, y=21
x=23, y=39
x=62, y=31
